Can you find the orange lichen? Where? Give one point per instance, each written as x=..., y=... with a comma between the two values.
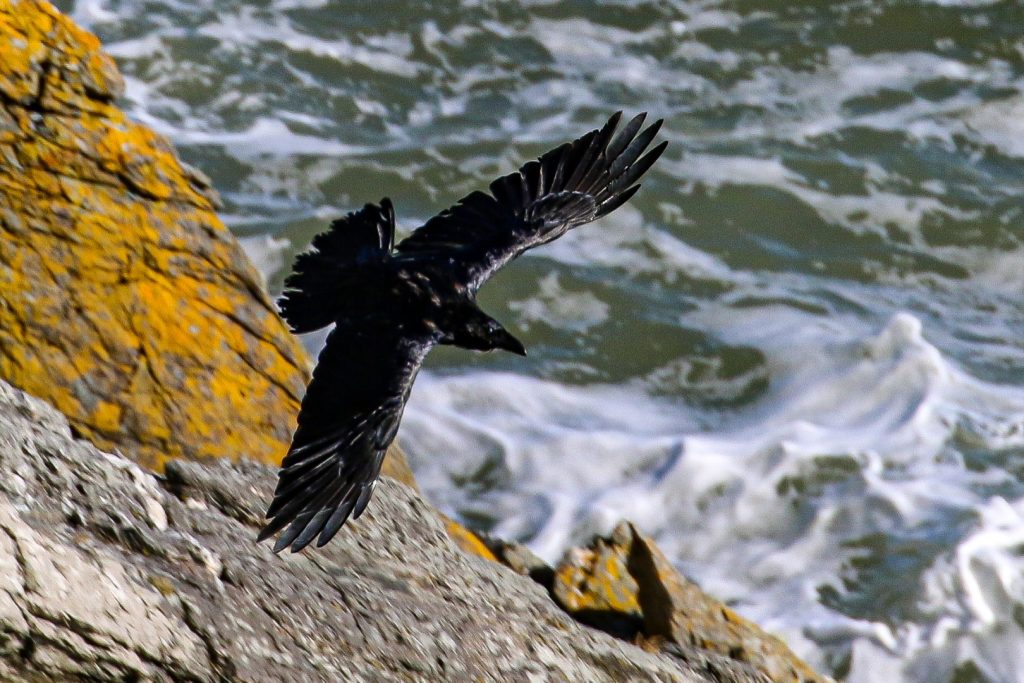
x=596, y=579
x=125, y=301
x=466, y=540
x=627, y=577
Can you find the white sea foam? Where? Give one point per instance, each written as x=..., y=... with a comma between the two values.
x=1000, y=123
x=266, y=136
x=264, y=251
x=92, y=11
x=559, y=308
x=871, y=211
x=385, y=53
x=636, y=247
x=881, y=408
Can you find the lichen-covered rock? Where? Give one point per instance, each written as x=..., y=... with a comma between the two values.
x=108, y=573
x=594, y=585
x=625, y=585
x=466, y=539
x=124, y=301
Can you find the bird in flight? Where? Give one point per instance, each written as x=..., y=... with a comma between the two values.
x=391, y=304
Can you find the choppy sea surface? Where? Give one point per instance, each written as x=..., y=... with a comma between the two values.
x=796, y=358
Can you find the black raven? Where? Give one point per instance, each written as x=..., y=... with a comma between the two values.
x=390, y=305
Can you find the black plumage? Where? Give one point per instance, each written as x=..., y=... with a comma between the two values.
x=390, y=305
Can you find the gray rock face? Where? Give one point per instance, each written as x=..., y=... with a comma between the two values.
x=109, y=573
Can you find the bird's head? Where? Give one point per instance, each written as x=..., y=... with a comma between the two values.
x=478, y=331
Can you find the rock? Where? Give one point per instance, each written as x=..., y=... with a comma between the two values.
x=625, y=585
x=594, y=585
x=109, y=573
x=520, y=559
x=467, y=540
x=124, y=300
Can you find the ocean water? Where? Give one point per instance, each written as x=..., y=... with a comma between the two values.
x=796, y=358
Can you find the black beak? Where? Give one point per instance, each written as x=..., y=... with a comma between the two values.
x=505, y=341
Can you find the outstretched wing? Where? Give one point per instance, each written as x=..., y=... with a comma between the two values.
x=571, y=185
x=349, y=417
x=321, y=276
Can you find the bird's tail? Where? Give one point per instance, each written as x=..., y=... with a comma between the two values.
x=314, y=291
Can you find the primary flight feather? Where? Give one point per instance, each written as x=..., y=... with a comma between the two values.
x=391, y=304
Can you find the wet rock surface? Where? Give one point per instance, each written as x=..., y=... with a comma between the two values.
x=110, y=573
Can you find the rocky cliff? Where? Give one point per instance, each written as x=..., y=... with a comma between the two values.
x=108, y=572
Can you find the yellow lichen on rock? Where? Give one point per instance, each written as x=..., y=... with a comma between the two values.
x=596, y=580
x=625, y=585
x=465, y=539
x=124, y=300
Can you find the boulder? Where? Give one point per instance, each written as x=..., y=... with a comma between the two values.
x=111, y=573
x=626, y=586
x=124, y=300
